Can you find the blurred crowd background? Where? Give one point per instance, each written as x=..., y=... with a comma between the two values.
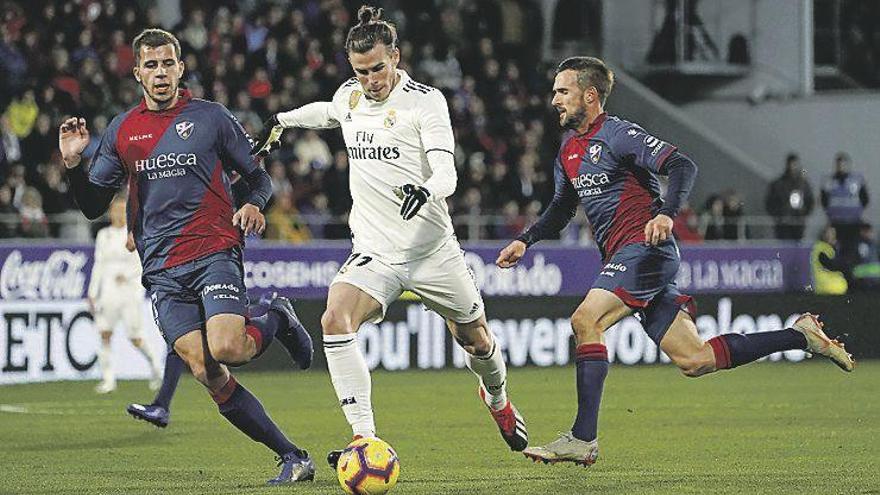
x=60, y=58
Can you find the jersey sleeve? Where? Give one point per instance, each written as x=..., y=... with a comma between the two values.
x=631, y=142
x=559, y=212
x=435, y=128
x=107, y=168
x=235, y=144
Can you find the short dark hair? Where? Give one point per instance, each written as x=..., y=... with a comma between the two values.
x=792, y=157
x=153, y=37
x=591, y=71
x=370, y=30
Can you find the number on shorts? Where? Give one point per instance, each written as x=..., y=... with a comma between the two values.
x=354, y=256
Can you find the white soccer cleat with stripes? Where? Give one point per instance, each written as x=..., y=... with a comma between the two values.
x=566, y=448
x=819, y=343
x=510, y=423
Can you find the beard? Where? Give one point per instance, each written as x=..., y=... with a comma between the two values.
x=574, y=119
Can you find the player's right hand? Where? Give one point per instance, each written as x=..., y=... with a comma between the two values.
x=510, y=255
x=269, y=138
x=130, y=245
x=249, y=219
x=73, y=137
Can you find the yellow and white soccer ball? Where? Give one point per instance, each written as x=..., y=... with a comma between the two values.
x=368, y=466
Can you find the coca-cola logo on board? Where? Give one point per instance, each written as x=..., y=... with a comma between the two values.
x=60, y=276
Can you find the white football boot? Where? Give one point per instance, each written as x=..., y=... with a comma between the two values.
x=819, y=343
x=566, y=448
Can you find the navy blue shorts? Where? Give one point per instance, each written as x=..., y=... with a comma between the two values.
x=184, y=297
x=643, y=277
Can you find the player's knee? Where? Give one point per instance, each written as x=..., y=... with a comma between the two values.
x=336, y=322
x=226, y=350
x=137, y=342
x=475, y=342
x=105, y=337
x=586, y=327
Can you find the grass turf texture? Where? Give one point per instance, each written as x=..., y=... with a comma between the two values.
x=765, y=428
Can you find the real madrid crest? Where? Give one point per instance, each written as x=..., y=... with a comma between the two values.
x=354, y=98
x=390, y=119
x=184, y=129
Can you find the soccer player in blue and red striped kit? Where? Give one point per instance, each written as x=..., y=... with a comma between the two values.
x=176, y=154
x=610, y=167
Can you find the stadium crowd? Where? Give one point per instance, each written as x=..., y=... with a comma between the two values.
x=256, y=58
x=261, y=61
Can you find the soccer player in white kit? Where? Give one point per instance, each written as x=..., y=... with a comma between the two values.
x=400, y=147
x=116, y=295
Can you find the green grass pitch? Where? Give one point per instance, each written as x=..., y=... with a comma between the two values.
x=765, y=428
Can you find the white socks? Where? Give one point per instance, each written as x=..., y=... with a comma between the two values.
x=105, y=361
x=351, y=380
x=492, y=373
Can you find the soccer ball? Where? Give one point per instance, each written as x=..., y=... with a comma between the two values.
x=368, y=466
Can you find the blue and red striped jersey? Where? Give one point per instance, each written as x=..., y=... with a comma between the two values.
x=177, y=163
x=611, y=171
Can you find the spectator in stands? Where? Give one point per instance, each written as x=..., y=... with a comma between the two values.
x=844, y=197
x=33, y=221
x=22, y=114
x=337, y=186
x=790, y=200
x=78, y=63
x=686, y=227
x=39, y=145
x=866, y=269
x=733, y=212
x=312, y=150
x=828, y=278
x=712, y=219
x=17, y=183
x=10, y=142
x=283, y=222
x=8, y=213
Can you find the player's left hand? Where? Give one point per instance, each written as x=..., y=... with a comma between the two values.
x=269, y=138
x=658, y=230
x=414, y=197
x=249, y=219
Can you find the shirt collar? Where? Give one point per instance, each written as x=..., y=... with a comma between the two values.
x=595, y=125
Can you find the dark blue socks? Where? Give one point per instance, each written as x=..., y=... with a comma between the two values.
x=173, y=368
x=592, y=367
x=246, y=413
x=734, y=349
x=262, y=329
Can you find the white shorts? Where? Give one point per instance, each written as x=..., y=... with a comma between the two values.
x=442, y=279
x=109, y=312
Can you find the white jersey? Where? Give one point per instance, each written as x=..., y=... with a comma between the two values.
x=387, y=143
x=116, y=273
